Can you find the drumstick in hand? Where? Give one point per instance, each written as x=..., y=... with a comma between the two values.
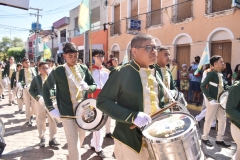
x=157, y=113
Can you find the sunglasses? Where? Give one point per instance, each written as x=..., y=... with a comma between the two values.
x=150, y=48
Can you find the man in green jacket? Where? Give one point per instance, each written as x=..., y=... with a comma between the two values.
x=14, y=81
x=129, y=96
x=35, y=91
x=25, y=78
x=233, y=110
x=72, y=81
x=7, y=73
x=163, y=59
x=212, y=87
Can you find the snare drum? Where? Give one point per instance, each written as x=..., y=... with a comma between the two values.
x=89, y=117
x=172, y=136
x=223, y=99
x=19, y=92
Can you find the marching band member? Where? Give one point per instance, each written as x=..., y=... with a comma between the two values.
x=8, y=71
x=163, y=59
x=25, y=77
x=1, y=82
x=35, y=91
x=72, y=81
x=130, y=95
x=233, y=110
x=212, y=87
x=14, y=82
x=100, y=76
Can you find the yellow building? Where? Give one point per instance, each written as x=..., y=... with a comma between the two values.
x=185, y=26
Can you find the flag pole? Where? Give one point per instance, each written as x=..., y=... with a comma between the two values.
x=90, y=37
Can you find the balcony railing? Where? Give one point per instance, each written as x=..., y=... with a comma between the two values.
x=182, y=11
x=154, y=18
x=217, y=5
x=115, y=29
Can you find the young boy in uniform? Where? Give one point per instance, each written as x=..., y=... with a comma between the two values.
x=72, y=81
x=14, y=81
x=35, y=91
x=25, y=78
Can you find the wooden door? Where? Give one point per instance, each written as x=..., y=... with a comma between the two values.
x=134, y=9
x=116, y=54
x=183, y=55
x=117, y=19
x=223, y=49
x=156, y=15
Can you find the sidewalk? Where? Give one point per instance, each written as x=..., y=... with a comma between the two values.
x=22, y=141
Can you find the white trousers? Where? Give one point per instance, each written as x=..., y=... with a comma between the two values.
x=41, y=115
x=19, y=100
x=75, y=137
x=10, y=94
x=1, y=87
x=202, y=115
x=235, y=131
x=214, y=112
x=29, y=104
x=98, y=136
x=123, y=152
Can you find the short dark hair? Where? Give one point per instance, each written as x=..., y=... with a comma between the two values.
x=31, y=62
x=139, y=39
x=163, y=49
x=10, y=57
x=42, y=63
x=214, y=59
x=50, y=60
x=69, y=47
x=25, y=59
x=19, y=64
x=97, y=51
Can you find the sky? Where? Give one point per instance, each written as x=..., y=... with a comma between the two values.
x=53, y=10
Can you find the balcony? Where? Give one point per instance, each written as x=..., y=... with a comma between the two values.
x=115, y=29
x=154, y=18
x=182, y=12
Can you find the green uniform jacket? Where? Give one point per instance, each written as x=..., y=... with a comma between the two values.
x=6, y=70
x=209, y=90
x=122, y=98
x=36, y=86
x=172, y=83
x=233, y=103
x=22, y=75
x=58, y=77
x=13, y=79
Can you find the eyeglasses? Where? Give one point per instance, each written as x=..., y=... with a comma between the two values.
x=99, y=56
x=150, y=48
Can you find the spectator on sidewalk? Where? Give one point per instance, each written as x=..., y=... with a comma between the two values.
x=190, y=91
x=227, y=73
x=184, y=82
x=174, y=70
x=195, y=83
x=237, y=68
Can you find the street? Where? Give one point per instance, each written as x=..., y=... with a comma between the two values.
x=22, y=141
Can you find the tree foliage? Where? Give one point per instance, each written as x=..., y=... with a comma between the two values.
x=6, y=43
x=17, y=52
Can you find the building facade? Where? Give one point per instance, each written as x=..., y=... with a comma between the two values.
x=99, y=37
x=184, y=26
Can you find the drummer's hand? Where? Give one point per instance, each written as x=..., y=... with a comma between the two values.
x=213, y=102
x=142, y=119
x=41, y=101
x=54, y=113
x=84, y=86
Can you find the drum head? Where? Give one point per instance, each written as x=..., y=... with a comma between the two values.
x=19, y=92
x=169, y=126
x=88, y=115
x=223, y=99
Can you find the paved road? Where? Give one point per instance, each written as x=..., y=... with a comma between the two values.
x=22, y=141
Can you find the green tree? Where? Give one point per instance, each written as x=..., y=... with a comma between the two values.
x=5, y=44
x=17, y=42
x=17, y=52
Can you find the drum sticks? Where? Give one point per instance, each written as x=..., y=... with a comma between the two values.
x=157, y=113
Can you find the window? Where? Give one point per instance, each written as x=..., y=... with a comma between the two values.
x=217, y=5
x=134, y=9
x=63, y=36
x=182, y=10
x=117, y=23
x=76, y=29
x=155, y=17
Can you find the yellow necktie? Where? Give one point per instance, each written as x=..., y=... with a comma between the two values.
x=73, y=69
x=153, y=94
x=166, y=100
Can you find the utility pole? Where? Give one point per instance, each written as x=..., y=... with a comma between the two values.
x=37, y=31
